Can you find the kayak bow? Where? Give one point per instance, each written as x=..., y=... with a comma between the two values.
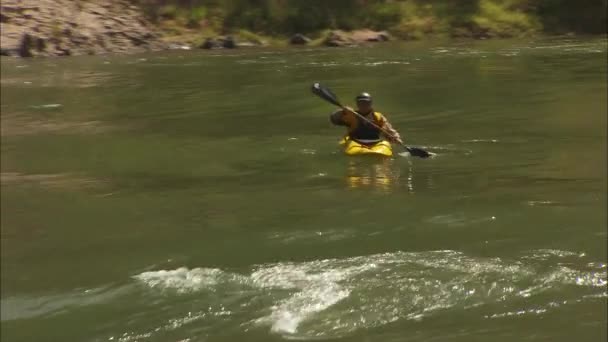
x=353, y=148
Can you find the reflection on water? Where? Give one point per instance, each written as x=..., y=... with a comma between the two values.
x=387, y=175
x=378, y=174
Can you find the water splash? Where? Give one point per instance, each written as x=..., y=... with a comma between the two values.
x=184, y=280
x=335, y=297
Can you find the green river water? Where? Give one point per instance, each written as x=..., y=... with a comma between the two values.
x=202, y=196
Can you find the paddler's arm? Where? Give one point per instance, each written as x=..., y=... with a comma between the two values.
x=337, y=118
x=394, y=135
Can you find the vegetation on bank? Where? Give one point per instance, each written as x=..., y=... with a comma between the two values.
x=258, y=20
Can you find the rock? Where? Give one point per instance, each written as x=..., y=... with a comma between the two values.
x=40, y=45
x=341, y=38
x=361, y=36
x=380, y=37
x=178, y=46
x=137, y=41
x=248, y=44
x=299, y=39
x=228, y=42
x=210, y=43
x=60, y=50
x=100, y=41
x=461, y=32
x=25, y=45
x=5, y=52
x=481, y=33
x=10, y=38
x=337, y=38
x=334, y=43
x=79, y=41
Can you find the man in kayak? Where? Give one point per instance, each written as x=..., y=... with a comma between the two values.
x=360, y=130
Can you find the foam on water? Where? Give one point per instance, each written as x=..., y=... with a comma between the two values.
x=287, y=315
x=318, y=288
x=184, y=280
x=24, y=307
x=334, y=297
x=168, y=326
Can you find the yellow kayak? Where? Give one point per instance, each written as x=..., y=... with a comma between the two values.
x=353, y=148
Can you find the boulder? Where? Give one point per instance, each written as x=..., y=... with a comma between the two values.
x=40, y=45
x=25, y=45
x=380, y=37
x=178, y=46
x=248, y=44
x=61, y=50
x=341, y=38
x=10, y=40
x=361, y=36
x=228, y=42
x=299, y=39
x=337, y=38
x=210, y=43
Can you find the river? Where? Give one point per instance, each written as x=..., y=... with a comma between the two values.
x=202, y=196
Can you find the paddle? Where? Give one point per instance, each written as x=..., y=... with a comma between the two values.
x=327, y=95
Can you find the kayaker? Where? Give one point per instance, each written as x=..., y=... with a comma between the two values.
x=360, y=130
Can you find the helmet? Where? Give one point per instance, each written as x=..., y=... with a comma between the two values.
x=364, y=97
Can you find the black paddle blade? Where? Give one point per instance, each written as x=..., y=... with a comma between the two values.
x=325, y=94
x=418, y=152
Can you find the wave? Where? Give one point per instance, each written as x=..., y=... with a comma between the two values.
x=334, y=297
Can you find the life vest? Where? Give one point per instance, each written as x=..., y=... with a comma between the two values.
x=364, y=132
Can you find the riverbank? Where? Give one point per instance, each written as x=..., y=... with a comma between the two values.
x=65, y=27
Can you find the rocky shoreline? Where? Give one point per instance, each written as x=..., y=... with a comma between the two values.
x=32, y=28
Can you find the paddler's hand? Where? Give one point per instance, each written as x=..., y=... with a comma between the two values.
x=397, y=140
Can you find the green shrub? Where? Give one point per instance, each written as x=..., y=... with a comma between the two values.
x=196, y=16
x=415, y=28
x=384, y=15
x=497, y=20
x=250, y=37
x=410, y=19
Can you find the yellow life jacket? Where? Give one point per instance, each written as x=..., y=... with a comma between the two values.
x=361, y=130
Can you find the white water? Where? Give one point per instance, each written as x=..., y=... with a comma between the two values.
x=331, y=298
